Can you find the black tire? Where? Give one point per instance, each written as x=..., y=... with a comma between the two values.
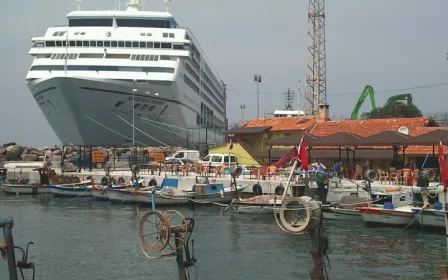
x=279, y=190
x=152, y=183
x=104, y=181
x=256, y=189
x=121, y=181
x=35, y=190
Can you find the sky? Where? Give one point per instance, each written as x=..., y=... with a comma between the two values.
x=390, y=45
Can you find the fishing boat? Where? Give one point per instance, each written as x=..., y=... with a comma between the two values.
x=348, y=207
x=260, y=204
x=433, y=218
x=100, y=192
x=70, y=186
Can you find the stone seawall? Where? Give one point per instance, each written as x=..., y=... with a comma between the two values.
x=14, y=152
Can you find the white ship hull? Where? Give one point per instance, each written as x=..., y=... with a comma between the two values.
x=85, y=111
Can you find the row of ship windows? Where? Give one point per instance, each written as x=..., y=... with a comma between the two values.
x=194, y=87
x=205, y=77
x=113, y=44
x=165, y=35
x=146, y=57
x=137, y=106
x=101, y=68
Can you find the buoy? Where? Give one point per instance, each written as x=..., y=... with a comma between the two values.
x=256, y=189
x=299, y=214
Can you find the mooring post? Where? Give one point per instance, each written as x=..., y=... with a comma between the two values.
x=180, y=257
x=443, y=272
x=7, y=225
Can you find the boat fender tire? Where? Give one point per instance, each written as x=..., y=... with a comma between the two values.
x=121, y=180
x=431, y=174
x=279, y=190
x=104, y=181
x=152, y=183
x=256, y=189
x=34, y=190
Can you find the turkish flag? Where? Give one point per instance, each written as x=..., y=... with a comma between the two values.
x=303, y=155
x=442, y=163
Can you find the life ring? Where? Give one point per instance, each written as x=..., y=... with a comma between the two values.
x=279, y=190
x=256, y=189
x=152, y=183
x=121, y=180
x=431, y=174
x=104, y=181
x=35, y=190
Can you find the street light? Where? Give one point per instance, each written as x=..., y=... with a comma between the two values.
x=242, y=107
x=134, y=90
x=257, y=79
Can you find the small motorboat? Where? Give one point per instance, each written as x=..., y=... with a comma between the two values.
x=260, y=204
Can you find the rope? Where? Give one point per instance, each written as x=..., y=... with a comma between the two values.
x=139, y=130
x=411, y=222
x=113, y=131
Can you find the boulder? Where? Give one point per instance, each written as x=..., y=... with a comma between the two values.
x=30, y=157
x=14, y=152
x=3, y=158
x=9, y=144
x=57, y=152
x=155, y=150
x=2, y=150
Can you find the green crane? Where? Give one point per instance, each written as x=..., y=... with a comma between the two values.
x=368, y=90
x=400, y=97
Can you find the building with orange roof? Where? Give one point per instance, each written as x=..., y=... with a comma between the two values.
x=321, y=126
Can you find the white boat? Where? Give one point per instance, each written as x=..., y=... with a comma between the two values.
x=100, y=192
x=92, y=77
x=25, y=189
x=171, y=193
x=260, y=204
x=430, y=217
x=335, y=213
x=399, y=216
x=80, y=189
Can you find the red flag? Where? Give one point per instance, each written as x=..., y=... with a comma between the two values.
x=303, y=155
x=230, y=145
x=442, y=163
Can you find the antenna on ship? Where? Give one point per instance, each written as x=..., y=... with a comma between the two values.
x=134, y=5
x=79, y=4
x=166, y=5
x=298, y=97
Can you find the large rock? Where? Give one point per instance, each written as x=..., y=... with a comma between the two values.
x=30, y=157
x=2, y=150
x=57, y=152
x=14, y=152
x=3, y=158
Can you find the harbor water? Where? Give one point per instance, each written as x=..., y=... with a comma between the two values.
x=85, y=239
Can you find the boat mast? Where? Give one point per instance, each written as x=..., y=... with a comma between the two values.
x=79, y=4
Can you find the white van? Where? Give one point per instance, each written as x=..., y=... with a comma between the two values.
x=219, y=159
x=184, y=154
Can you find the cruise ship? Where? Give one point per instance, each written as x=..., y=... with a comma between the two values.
x=126, y=77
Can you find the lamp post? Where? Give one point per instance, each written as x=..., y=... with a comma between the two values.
x=257, y=79
x=242, y=107
x=134, y=90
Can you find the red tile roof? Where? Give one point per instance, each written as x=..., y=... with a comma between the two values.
x=369, y=127
x=283, y=123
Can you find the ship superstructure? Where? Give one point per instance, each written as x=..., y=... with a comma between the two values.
x=109, y=69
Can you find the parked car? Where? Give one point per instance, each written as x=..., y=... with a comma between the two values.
x=174, y=161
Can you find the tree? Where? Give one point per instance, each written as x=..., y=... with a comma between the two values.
x=396, y=109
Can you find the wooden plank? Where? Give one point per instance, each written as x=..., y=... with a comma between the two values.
x=443, y=272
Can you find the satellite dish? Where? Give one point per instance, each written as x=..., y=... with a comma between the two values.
x=403, y=130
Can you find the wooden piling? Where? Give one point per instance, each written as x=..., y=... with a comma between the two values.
x=443, y=272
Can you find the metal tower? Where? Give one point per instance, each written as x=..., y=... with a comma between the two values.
x=289, y=98
x=316, y=77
